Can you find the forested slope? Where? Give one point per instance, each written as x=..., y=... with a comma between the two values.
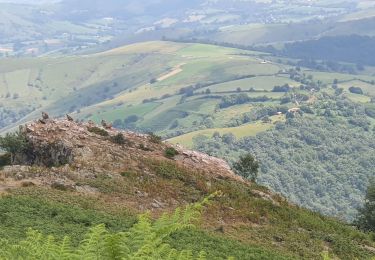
x=322, y=160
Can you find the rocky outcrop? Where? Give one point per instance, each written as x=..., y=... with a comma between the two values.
x=90, y=148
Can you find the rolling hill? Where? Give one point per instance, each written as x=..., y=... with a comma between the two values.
x=185, y=91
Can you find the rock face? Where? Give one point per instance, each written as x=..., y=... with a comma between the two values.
x=90, y=148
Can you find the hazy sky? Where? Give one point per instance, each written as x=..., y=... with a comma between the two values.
x=29, y=1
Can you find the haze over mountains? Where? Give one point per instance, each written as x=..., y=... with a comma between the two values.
x=66, y=26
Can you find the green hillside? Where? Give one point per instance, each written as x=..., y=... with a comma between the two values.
x=173, y=129
x=183, y=92
x=111, y=183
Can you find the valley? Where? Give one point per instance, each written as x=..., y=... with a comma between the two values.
x=186, y=92
x=203, y=129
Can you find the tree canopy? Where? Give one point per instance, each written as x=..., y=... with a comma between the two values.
x=366, y=216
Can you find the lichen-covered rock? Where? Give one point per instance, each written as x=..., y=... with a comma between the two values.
x=56, y=143
x=65, y=155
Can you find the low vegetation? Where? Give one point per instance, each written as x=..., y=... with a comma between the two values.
x=118, y=139
x=154, y=138
x=170, y=152
x=13, y=143
x=98, y=131
x=67, y=213
x=145, y=239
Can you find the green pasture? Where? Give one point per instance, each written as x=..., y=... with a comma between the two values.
x=251, y=129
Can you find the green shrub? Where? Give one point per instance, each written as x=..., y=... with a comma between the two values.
x=170, y=152
x=5, y=159
x=169, y=170
x=118, y=139
x=13, y=143
x=98, y=131
x=154, y=138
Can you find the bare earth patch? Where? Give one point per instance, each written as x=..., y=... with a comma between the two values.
x=174, y=72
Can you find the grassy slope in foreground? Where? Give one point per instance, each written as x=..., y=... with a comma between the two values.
x=240, y=224
x=112, y=183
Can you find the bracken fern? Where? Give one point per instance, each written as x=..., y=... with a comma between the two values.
x=144, y=240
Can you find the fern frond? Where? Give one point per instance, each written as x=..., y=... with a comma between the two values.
x=185, y=255
x=143, y=241
x=115, y=246
x=65, y=250
x=202, y=256
x=92, y=246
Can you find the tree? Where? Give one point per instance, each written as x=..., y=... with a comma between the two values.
x=13, y=143
x=131, y=119
x=366, y=215
x=284, y=88
x=229, y=138
x=339, y=91
x=247, y=166
x=356, y=90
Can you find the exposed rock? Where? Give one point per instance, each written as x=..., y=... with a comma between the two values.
x=266, y=196
x=61, y=142
x=69, y=118
x=214, y=165
x=86, y=189
x=15, y=171
x=106, y=125
x=65, y=155
x=157, y=204
x=45, y=116
x=62, y=185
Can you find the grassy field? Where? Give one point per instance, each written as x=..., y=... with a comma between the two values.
x=258, y=83
x=240, y=132
x=367, y=88
x=116, y=84
x=122, y=111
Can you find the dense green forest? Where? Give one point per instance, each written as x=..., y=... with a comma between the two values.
x=351, y=48
x=322, y=161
